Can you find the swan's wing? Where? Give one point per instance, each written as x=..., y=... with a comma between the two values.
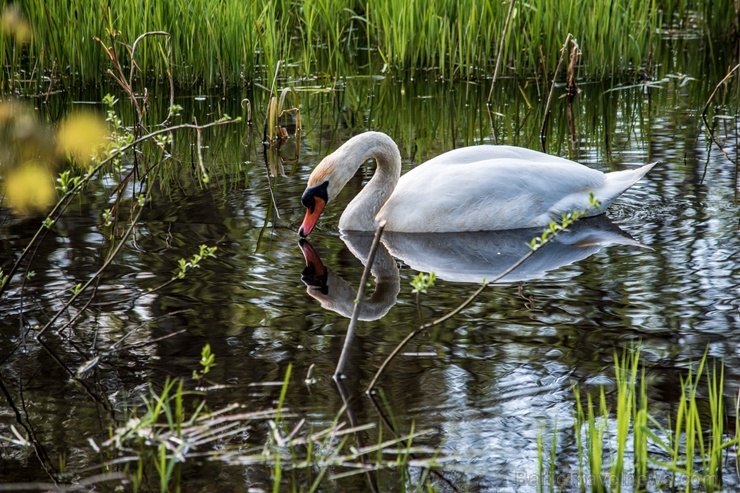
x=501, y=193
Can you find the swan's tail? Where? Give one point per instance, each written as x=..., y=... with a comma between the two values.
x=612, y=187
x=619, y=181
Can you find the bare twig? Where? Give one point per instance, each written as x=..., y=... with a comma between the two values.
x=543, y=130
x=358, y=303
x=706, y=122
x=133, y=51
x=501, y=49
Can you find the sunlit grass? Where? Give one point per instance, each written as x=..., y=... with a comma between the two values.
x=623, y=446
x=230, y=42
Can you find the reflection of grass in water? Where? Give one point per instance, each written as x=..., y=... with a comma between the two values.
x=225, y=43
x=622, y=446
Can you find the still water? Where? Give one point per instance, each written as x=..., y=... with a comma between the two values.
x=659, y=270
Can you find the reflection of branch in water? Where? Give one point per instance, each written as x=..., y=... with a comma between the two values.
x=389, y=423
x=38, y=448
x=369, y=473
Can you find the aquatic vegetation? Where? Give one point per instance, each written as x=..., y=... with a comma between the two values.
x=624, y=445
x=167, y=429
x=229, y=43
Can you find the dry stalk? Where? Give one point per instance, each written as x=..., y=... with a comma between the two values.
x=501, y=49
x=546, y=119
x=706, y=122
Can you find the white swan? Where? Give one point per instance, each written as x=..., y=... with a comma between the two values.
x=479, y=188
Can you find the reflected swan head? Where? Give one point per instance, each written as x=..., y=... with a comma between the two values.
x=337, y=295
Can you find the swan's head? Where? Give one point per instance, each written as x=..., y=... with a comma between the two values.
x=338, y=168
x=314, y=199
x=325, y=183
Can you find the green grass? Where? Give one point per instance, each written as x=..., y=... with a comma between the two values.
x=230, y=42
x=160, y=437
x=172, y=427
x=622, y=444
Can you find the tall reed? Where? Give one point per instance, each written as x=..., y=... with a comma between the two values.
x=228, y=42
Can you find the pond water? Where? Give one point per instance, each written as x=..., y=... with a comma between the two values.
x=659, y=270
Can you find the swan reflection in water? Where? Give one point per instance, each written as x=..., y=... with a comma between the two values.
x=457, y=257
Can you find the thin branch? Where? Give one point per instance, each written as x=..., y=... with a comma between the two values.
x=133, y=51
x=358, y=303
x=543, y=130
x=111, y=257
x=199, y=144
x=446, y=317
x=61, y=206
x=706, y=122
x=501, y=49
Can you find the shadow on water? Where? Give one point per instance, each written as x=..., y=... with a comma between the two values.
x=483, y=385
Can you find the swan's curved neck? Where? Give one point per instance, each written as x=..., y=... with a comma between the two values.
x=360, y=214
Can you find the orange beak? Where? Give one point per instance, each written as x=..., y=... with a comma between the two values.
x=312, y=217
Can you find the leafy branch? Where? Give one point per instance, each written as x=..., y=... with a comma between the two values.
x=551, y=232
x=186, y=265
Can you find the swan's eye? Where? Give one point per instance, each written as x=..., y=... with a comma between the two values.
x=320, y=191
x=307, y=200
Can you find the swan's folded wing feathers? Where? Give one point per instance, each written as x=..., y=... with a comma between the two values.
x=502, y=193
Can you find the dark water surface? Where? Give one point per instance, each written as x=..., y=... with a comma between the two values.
x=484, y=384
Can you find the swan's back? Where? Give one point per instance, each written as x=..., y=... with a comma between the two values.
x=484, y=152
x=485, y=188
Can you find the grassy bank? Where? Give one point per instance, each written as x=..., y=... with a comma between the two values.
x=229, y=42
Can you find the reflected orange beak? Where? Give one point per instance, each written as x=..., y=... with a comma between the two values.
x=314, y=266
x=312, y=217
x=315, y=274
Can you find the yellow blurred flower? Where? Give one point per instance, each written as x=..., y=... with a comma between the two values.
x=13, y=22
x=82, y=137
x=29, y=188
